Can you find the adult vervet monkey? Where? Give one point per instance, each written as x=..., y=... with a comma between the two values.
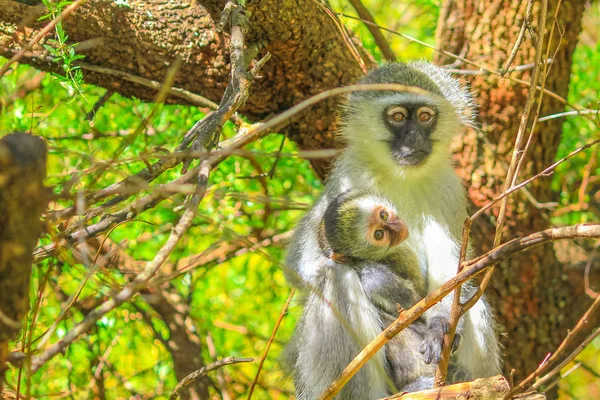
x=398, y=146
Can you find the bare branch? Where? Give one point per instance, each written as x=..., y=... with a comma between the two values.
x=268, y=346
x=137, y=284
x=380, y=40
x=203, y=371
x=567, y=360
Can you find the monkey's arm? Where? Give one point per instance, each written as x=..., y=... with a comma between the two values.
x=304, y=258
x=337, y=322
x=388, y=289
x=400, y=284
x=442, y=258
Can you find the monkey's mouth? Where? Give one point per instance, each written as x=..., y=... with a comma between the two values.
x=410, y=157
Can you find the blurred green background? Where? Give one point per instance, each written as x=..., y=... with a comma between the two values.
x=235, y=303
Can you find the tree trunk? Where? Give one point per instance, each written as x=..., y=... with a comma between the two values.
x=183, y=343
x=23, y=198
x=529, y=293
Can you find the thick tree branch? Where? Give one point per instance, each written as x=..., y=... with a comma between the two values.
x=142, y=37
x=492, y=388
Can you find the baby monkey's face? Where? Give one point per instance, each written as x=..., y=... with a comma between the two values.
x=385, y=229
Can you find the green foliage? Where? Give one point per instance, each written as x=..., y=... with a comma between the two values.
x=61, y=51
x=578, y=130
x=417, y=19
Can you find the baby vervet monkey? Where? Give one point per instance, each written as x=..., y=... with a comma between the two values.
x=362, y=230
x=397, y=146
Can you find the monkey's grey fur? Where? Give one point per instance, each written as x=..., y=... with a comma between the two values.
x=410, y=165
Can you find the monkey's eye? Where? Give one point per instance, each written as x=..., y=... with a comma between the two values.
x=383, y=215
x=425, y=115
x=397, y=114
x=378, y=234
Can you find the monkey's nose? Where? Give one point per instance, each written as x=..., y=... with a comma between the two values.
x=398, y=231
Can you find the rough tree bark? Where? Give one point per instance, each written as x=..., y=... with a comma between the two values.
x=533, y=301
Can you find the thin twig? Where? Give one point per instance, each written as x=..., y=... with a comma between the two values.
x=544, y=75
x=546, y=172
x=380, y=40
x=268, y=346
x=183, y=94
x=73, y=298
x=567, y=114
x=458, y=309
x=204, y=370
x=520, y=38
x=480, y=66
x=342, y=29
x=566, y=343
x=586, y=276
x=138, y=283
x=567, y=360
x=101, y=101
x=245, y=135
x=65, y=13
x=274, y=166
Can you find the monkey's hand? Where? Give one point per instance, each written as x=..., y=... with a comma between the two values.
x=431, y=346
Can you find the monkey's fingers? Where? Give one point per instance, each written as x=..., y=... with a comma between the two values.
x=433, y=341
x=431, y=350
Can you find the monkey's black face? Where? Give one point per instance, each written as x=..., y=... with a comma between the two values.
x=411, y=127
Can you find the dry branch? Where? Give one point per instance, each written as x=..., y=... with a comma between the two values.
x=140, y=281
x=270, y=341
x=245, y=135
x=203, y=371
x=492, y=388
x=519, y=152
x=582, y=325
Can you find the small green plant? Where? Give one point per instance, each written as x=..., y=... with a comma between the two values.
x=61, y=51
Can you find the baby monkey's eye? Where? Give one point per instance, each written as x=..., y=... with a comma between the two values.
x=383, y=215
x=426, y=114
x=397, y=114
x=378, y=234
